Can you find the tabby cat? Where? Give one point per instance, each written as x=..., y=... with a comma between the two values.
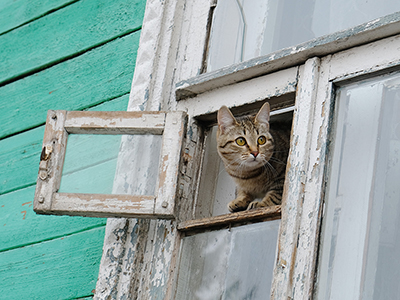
x=254, y=155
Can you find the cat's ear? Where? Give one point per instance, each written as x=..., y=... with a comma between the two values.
x=225, y=118
x=263, y=114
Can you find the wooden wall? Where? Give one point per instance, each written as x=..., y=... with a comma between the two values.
x=55, y=54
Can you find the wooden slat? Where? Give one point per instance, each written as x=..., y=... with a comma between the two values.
x=268, y=213
x=116, y=122
x=99, y=205
x=63, y=268
x=175, y=127
x=50, y=167
x=15, y=13
x=22, y=152
x=101, y=74
x=66, y=32
x=21, y=226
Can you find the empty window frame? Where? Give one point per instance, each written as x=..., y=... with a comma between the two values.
x=158, y=202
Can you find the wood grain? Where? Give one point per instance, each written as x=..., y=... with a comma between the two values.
x=62, y=268
x=74, y=29
x=21, y=226
x=89, y=79
x=268, y=213
x=16, y=13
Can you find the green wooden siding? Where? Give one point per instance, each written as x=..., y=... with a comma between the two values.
x=58, y=54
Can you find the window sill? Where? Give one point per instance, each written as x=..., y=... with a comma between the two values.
x=371, y=31
x=256, y=215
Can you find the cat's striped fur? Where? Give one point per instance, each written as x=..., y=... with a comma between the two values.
x=254, y=154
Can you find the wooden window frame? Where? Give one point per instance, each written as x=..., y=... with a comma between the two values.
x=303, y=200
x=59, y=124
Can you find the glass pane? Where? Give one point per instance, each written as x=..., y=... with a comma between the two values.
x=229, y=264
x=361, y=233
x=103, y=164
x=244, y=29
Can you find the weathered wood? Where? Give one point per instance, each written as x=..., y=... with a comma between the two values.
x=66, y=267
x=17, y=220
x=274, y=87
x=161, y=205
x=17, y=13
x=51, y=160
x=34, y=95
x=262, y=214
x=285, y=58
x=59, y=35
x=174, y=134
x=99, y=205
x=121, y=122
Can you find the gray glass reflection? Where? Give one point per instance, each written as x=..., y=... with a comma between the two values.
x=229, y=264
x=244, y=29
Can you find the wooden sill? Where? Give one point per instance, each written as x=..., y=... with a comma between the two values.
x=261, y=214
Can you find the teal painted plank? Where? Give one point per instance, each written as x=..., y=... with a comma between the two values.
x=66, y=32
x=20, y=154
x=63, y=268
x=96, y=179
x=20, y=225
x=85, y=150
x=14, y=13
x=19, y=159
x=89, y=79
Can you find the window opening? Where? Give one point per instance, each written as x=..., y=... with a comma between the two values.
x=228, y=255
x=217, y=188
x=245, y=29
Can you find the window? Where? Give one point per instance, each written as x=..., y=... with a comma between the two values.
x=95, y=136
x=313, y=84
x=360, y=248
x=245, y=29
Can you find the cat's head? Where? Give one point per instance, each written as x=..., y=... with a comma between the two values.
x=246, y=142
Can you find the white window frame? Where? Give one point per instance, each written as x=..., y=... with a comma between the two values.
x=174, y=34
x=61, y=123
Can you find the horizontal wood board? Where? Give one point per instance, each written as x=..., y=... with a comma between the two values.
x=63, y=268
x=55, y=54
x=22, y=152
x=71, y=30
x=20, y=225
x=15, y=13
x=89, y=79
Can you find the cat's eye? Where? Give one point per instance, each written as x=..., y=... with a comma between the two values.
x=240, y=141
x=262, y=140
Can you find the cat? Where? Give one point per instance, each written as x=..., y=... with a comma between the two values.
x=254, y=155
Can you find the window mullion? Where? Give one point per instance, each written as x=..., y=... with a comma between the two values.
x=300, y=211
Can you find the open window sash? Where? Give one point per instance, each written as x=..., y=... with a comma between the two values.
x=59, y=124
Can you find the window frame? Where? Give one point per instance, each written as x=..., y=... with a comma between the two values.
x=59, y=124
x=302, y=211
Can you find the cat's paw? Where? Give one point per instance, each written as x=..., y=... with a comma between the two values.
x=233, y=206
x=255, y=204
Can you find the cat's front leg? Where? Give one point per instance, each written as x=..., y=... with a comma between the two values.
x=271, y=198
x=240, y=203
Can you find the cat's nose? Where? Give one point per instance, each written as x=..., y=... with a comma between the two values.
x=254, y=153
